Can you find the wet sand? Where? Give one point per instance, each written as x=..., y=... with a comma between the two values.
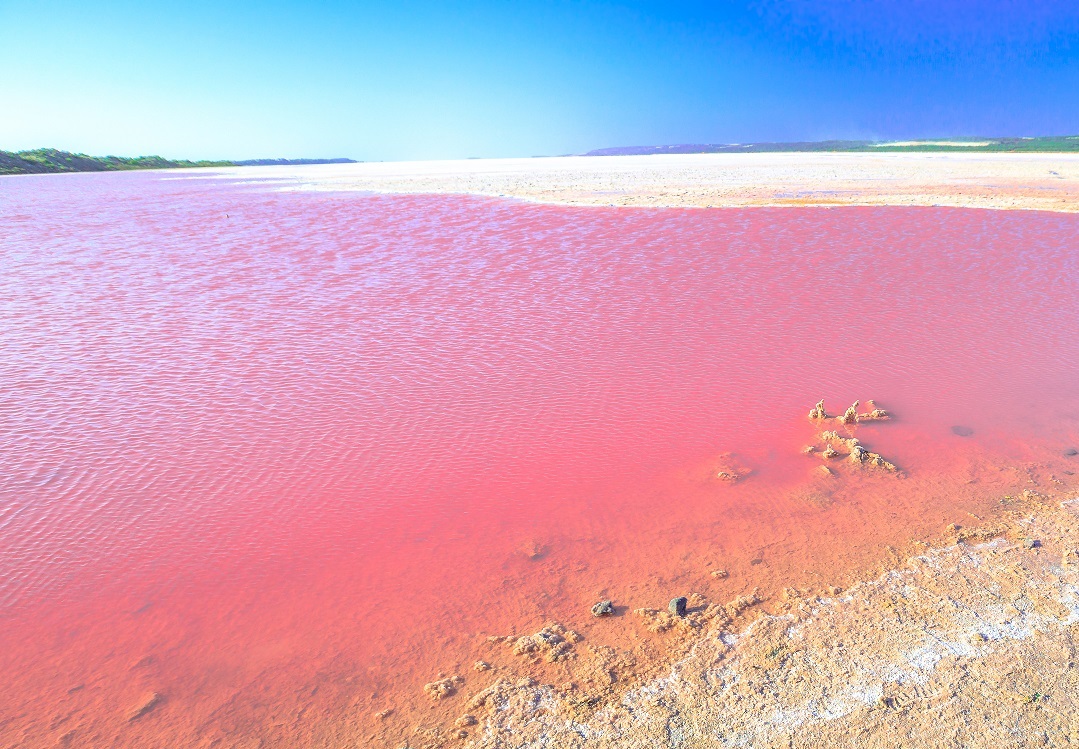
x=969, y=644
x=1045, y=182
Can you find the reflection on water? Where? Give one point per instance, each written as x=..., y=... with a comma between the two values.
x=270, y=461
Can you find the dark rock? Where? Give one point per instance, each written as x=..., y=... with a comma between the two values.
x=603, y=608
x=1031, y=543
x=1071, y=452
x=677, y=606
x=962, y=431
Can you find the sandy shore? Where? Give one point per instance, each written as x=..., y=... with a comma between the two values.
x=971, y=644
x=1047, y=182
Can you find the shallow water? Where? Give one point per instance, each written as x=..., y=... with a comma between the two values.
x=281, y=457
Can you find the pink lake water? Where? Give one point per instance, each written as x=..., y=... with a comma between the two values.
x=280, y=458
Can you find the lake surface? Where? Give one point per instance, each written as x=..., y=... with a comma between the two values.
x=271, y=460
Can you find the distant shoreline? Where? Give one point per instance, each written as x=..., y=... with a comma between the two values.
x=1045, y=144
x=1011, y=181
x=54, y=161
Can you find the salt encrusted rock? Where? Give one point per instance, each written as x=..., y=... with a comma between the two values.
x=877, y=414
x=850, y=416
x=677, y=606
x=832, y=436
x=481, y=666
x=830, y=453
x=876, y=460
x=465, y=720
x=603, y=608
x=728, y=468
x=858, y=454
x=825, y=471
x=721, y=574
x=818, y=412
x=552, y=643
x=443, y=688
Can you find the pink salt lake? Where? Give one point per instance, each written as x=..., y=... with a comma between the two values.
x=279, y=458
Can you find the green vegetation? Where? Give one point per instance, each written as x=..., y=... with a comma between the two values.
x=50, y=160
x=1050, y=144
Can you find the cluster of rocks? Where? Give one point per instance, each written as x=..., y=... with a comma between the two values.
x=836, y=446
x=851, y=415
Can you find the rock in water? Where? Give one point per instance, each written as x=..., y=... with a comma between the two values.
x=603, y=608
x=850, y=416
x=962, y=431
x=677, y=606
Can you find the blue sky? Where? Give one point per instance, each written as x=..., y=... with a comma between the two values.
x=413, y=79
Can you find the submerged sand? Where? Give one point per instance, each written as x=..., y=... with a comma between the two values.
x=1048, y=182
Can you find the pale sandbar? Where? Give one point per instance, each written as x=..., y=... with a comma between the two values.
x=1041, y=181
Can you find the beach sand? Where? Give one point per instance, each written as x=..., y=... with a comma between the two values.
x=1047, y=182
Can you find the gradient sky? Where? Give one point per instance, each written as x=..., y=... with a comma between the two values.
x=414, y=79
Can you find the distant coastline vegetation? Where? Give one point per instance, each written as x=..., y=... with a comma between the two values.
x=51, y=161
x=1050, y=144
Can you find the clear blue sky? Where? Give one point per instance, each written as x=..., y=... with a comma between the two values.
x=414, y=79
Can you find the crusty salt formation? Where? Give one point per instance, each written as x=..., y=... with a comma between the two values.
x=818, y=412
x=850, y=416
x=552, y=643
x=440, y=689
x=856, y=453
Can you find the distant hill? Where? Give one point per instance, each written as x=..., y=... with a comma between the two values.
x=51, y=160
x=1053, y=144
